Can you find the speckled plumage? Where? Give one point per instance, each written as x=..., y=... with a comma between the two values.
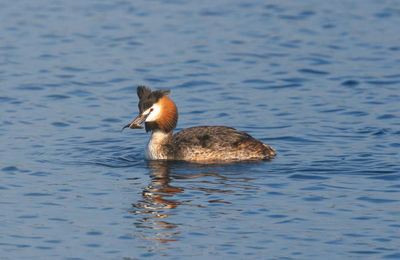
x=216, y=143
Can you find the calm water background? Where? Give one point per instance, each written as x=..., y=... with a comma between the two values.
x=317, y=80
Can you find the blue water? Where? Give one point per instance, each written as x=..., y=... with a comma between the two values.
x=317, y=80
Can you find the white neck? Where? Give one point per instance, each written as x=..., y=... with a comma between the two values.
x=155, y=147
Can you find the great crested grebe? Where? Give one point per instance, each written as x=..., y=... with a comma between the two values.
x=198, y=144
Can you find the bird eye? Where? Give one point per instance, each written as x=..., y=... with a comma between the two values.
x=151, y=109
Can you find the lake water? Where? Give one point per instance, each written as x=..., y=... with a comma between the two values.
x=317, y=80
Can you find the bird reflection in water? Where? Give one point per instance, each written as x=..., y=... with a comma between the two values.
x=160, y=199
x=157, y=201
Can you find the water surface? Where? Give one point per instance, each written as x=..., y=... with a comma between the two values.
x=317, y=81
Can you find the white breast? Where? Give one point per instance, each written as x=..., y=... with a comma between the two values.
x=154, y=149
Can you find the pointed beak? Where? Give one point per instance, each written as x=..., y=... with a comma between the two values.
x=137, y=122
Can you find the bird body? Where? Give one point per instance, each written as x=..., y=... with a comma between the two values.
x=196, y=144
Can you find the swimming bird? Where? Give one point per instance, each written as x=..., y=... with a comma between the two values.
x=196, y=144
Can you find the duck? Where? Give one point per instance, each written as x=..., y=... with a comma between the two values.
x=202, y=144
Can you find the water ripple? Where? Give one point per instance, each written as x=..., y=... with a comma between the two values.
x=193, y=83
x=313, y=72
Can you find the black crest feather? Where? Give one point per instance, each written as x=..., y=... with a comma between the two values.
x=143, y=91
x=147, y=97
